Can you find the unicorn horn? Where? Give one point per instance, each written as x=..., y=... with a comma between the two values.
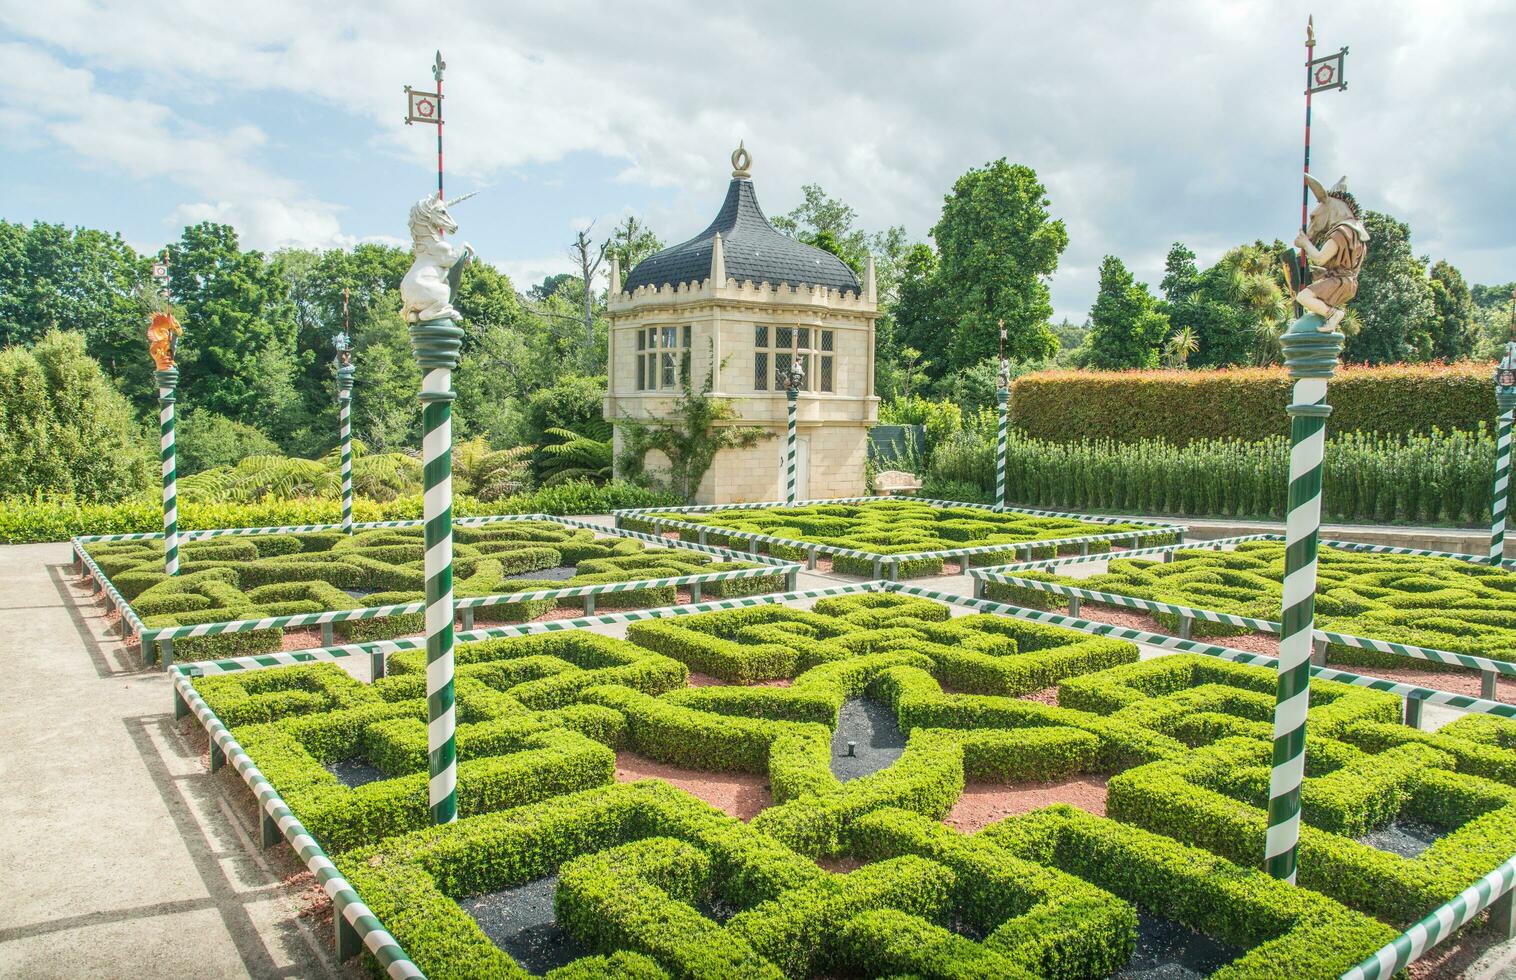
x=464, y=197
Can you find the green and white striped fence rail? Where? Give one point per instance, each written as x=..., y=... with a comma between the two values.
x=1215, y=544
x=242, y=531
x=771, y=504
x=889, y=563
x=1005, y=574
x=1394, y=956
x=383, y=648
x=130, y=621
x=1427, y=695
x=356, y=925
x=161, y=638
x=1437, y=925
x=148, y=637
x=168, y=381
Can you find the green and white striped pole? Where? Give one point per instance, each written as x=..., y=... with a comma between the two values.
x=1505, y=400
x=168, y=383
x=1311, y=357
x=792, y=385
x=345, y=371
x=1003, y=395
x=436, y=344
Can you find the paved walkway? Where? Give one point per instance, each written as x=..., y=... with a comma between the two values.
x=122, y=856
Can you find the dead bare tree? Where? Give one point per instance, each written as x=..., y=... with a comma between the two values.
x=581, y=250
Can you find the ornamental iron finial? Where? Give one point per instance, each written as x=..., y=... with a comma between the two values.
x=742, y=162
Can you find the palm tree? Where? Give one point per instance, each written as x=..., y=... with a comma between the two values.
x=1180, y=345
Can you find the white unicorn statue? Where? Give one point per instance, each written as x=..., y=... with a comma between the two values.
x=431, y=284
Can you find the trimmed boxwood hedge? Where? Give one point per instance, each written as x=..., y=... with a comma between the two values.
x=654, y=882
x=238, y=578
x=882, y=529
x=1246, y=403
x=1442, y=603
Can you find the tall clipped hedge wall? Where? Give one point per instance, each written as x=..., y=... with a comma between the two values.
x=1246, y=403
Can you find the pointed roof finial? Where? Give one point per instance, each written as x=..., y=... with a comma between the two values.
x=742, y=162
x=1310, y=30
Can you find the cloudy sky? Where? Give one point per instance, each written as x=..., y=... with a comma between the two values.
x=1148, y=122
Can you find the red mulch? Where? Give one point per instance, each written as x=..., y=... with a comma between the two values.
x=1048, y=695
x=984, y=803
x=737, y=794
x=697, y=679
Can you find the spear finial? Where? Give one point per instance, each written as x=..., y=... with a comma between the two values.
x=438, y=66
x=1310, y=31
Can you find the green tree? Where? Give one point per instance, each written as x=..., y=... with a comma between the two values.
x=83, y=280
x=998, y=246
x=828, y=224
x=205, y=440
x=1455, y=332
x=1181, y=277
x=238, y=321
x=1126, y=327
x=1394, y=301
x=631, y=242
x=64, y=428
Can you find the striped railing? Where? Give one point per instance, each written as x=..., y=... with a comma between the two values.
x=353, y=915
x=156, y=643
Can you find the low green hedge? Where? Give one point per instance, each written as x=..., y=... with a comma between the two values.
x=1441, y=603
x=882, y=529
x=58, y=517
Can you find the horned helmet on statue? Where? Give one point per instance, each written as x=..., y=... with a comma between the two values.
x=1335, y=243
x=430, y=286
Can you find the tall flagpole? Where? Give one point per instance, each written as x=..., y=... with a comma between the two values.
x=437, y=68
x=1305, y=188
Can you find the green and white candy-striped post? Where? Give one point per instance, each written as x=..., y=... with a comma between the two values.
x=792, y=397
x=1505, y=399
x=1000, y=439
x=1311, y=357
x=345, y=428
x=168, y=383
x=436, y=344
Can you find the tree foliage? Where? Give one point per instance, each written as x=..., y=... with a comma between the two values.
x=64, y=428
x=1126, y=327
x=1394, y=301
x=1455, y=333
x=998, y=246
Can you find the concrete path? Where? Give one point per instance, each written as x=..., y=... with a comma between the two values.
x=122, y=856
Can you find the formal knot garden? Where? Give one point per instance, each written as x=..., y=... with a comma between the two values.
x=895, y=538
x=903, y=752
x=1378, y=608
x=240, y=592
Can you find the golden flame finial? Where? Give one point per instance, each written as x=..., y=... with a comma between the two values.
x=162, y=339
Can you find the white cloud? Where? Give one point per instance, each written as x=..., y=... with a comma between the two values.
x=1149, y=122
